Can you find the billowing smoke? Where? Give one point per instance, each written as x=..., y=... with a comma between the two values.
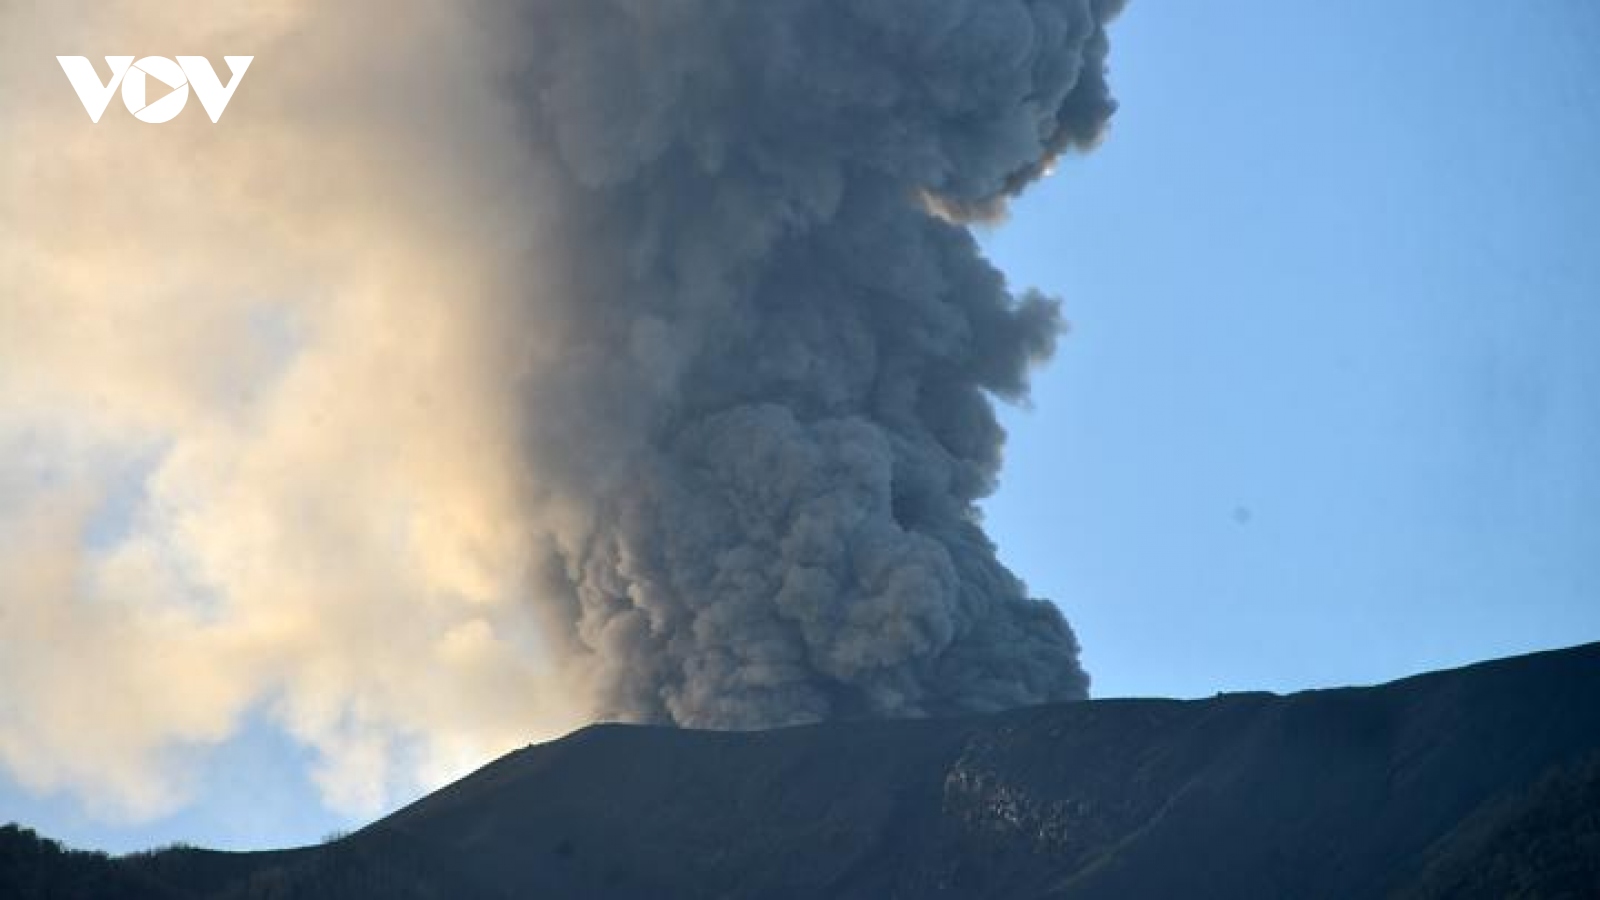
x=787, y=344
x=497, y=366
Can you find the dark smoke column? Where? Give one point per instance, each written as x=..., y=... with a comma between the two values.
x=770, y=415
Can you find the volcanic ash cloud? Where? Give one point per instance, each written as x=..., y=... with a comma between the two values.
x=781, y=345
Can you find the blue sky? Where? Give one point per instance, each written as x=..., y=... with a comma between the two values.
x=1331, y=409
x=1330, y=412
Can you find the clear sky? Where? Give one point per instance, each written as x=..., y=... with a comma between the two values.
x=1330, y=412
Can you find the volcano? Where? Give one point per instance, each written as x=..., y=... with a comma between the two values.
x=1476, y=782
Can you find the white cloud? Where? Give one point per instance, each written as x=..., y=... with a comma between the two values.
x=257, y=431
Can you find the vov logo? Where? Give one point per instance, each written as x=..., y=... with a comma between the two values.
x=135, y=78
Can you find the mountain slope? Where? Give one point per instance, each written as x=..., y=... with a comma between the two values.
x=1476, y=782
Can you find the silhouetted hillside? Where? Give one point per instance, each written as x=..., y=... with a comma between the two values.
x=1480, y=782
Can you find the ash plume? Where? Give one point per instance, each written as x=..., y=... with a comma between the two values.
x=789, y=356
x=497, y=366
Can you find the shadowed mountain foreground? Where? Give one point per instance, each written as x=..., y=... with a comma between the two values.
x=1479, y=782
